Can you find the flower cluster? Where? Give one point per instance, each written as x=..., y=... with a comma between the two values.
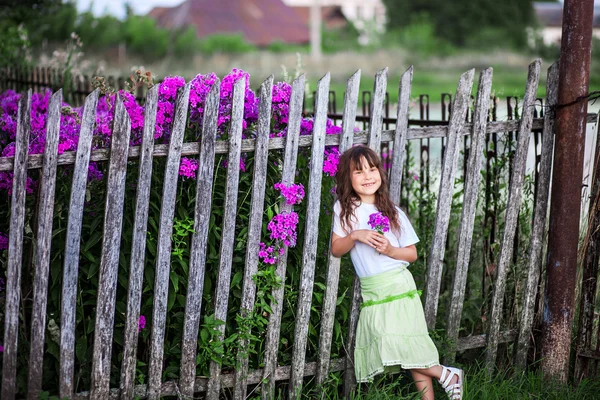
x=141, y=323
x=331, y=161
x=282, y=228
x=200, y=86
x=293, y=194
x=379, y=222
x=188, y=167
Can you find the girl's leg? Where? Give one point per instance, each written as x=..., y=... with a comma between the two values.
x=435, y=372
x=423, y=383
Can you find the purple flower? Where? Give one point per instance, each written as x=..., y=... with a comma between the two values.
x=3, y=241
x=141, y=323
x=1, y=349
x=331, y=161
x=293, y=194
x=188, y=167
x=379, y=222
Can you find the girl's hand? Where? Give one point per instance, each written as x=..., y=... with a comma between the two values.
x=372, y=238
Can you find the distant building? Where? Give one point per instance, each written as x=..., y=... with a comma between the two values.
x=331, y=16
x=367, y=16
x=549, y=16
x=261, y=22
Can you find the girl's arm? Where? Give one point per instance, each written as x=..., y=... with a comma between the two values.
x=342, y=245
x=408, y=253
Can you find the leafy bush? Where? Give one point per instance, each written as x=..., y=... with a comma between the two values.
x=225, y=43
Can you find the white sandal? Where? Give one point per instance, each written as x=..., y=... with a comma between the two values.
x=454, y=391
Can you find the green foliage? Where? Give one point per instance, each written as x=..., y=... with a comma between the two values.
x=14, y=46
x=461, y=21
x=225, y=43
x=144, y=37
x=419, y=37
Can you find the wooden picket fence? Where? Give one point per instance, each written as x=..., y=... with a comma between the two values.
x=207, y=147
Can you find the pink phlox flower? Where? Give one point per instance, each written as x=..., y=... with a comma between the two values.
x=379, y=222
x=188, y=167
x=331, y=161
x=141, y=323
x=293, y=193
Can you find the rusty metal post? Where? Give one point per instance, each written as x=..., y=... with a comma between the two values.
x=565, y=205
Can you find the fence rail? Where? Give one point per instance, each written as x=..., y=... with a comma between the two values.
x=207, y=147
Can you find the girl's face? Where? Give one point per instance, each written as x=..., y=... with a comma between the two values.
x=366, y=181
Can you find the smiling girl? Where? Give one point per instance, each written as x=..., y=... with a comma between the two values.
x=392, y=332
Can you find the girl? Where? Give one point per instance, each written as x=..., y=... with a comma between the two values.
x=391, y=332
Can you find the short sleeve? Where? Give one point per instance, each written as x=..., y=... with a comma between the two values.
x=408, y=236
x=337, y=223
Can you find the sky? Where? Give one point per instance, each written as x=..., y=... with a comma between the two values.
x=117, y=7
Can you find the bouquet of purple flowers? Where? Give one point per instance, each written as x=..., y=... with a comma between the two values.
x=379, y=222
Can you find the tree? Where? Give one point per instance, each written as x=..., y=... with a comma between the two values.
x=460, y=20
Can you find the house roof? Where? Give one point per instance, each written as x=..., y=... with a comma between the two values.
x=550, y=14
x=260, y=21
x=332, y=16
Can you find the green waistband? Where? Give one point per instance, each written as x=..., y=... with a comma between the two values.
x=389, y=299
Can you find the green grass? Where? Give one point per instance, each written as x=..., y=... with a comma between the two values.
x=480, y=386
x=506, y=82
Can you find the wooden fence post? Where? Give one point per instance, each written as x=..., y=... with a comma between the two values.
x=438, y=245
x=228, y=237
x=42, y=257
x=193, y=302
x=111, y=246
x=539, y=221
x=512, y=212
x=72, y=246
x=333, y=268
x=309, y=253
x=287, y=178
x=261, y=156
x=15, y=250
x=138, y=247
x=467, y=220
x=163, y=251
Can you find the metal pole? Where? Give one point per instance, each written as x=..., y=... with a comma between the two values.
x=565, y=205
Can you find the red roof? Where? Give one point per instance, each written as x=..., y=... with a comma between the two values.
x=260, y=21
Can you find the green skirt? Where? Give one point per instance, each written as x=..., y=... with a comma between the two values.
x=392, y=332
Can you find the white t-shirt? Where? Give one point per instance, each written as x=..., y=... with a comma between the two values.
x=367, y=261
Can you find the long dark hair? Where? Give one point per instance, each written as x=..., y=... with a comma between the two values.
x=350, y=161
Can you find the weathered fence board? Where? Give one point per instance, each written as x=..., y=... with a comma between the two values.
x=333, y=267
x=163, y=252
x=400, y=139
x=15, y=251
x=512, y=211
x=109, y=262
x=193, y=302
x=287, y=178
x=261, y=155
x=539, y=221
x=228, y=236
x=42, y=256
x=71, y=263
x=591, y=258
x=374, y=142
x=438, y=244
x=467, y=221
x=138, y=247
x=311, y=233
